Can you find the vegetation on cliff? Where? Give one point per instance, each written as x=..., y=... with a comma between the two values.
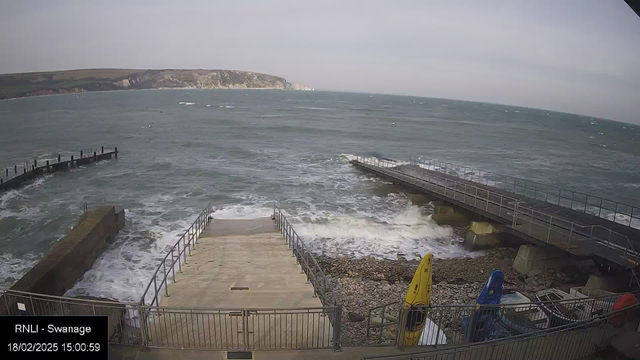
x=70, y=81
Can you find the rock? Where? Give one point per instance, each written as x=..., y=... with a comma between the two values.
x=386, y=287
x=548, y=284
x=534, y=272
x=355, y=317
x=471, y=295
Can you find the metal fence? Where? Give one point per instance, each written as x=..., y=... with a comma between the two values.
x=124, y=318
x=616, y=211
x=570, y=341
x=321, y=286
x=242, y=329
x=462, y=324
x=544, y=227
x=175, y=258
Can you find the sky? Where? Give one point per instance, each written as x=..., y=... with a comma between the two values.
x=577, y=56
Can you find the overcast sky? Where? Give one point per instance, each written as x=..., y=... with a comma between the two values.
x=579, y=56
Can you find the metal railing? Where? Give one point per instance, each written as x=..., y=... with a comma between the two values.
x=321, y=287
x=615, y=211
x=569, y=341
x=544, y=227
x=242, y=329
x=462, y=324
x=175, y=257
x=124, y=318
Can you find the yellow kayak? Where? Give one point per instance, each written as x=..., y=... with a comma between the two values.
x=419, y=293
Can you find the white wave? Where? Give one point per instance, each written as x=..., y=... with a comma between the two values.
x=393, y=162
x=186, y=103
x=316, y=108
x=242, y=212
x=208, y=105
x=13, y=268
x=123, y=271
x=229, y=107
x=410, y=232
x=10, y=206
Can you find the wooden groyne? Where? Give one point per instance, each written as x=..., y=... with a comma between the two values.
x=15, y=176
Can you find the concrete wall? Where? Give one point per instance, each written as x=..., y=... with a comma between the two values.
x=532, y=257
x=74, y=254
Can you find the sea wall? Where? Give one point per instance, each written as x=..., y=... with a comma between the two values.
x=74, y=254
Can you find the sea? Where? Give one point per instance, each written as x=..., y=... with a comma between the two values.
x=245, y=150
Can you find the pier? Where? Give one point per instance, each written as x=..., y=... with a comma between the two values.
x=581, y=225
x=15, y=176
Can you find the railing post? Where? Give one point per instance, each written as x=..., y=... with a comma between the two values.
x=173, y=266
x=166, y=283
x=144, y=331
x=179, y=260
x=245, y=329
x=572, y=195
x=549, y=231
x=155, y=288
x=571, y=233
x=600, y=208
x=530, y=221
x=337, y=328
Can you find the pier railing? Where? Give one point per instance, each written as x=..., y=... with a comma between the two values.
x=615, y=211
x=388, y=324
x=315, y=275
x=570, y=341
x=175, y=258
x=544, y=227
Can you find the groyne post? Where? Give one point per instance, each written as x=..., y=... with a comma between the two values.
x=47, y=165
x=58, y=157
x=116, y=152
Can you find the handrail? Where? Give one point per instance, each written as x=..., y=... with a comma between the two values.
x=580, y=231
x=514, y=184
x=189, y=240
x=65, y=298
x=610, y=297
x=312, y=269
x=596, y=320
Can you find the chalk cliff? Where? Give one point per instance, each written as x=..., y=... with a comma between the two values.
x=72, y=81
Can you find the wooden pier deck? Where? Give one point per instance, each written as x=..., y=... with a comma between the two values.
x=579, y=233
x=15, y=176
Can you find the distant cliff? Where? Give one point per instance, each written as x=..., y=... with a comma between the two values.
x=74, y=81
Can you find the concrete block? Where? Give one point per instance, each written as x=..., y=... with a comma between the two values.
x=73, y=255
x=419, y=199
x=608, y=283
x=120, y=218
x=448, y=215
x=482, y=235
x=531, y=257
